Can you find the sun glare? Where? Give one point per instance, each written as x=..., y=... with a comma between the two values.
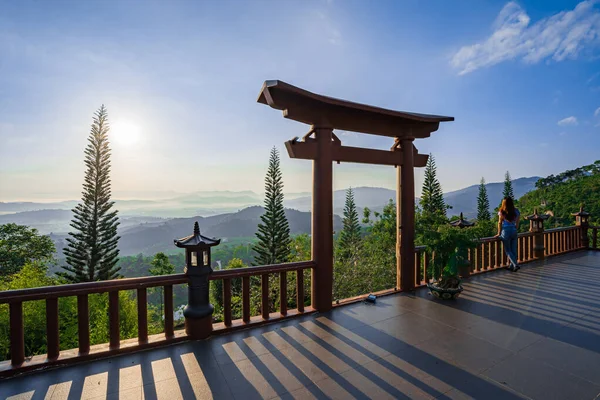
x=125, y=133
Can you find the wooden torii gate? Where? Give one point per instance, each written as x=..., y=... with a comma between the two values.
x=320, y=144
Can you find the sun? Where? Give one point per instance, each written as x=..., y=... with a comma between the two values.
x=125, y=133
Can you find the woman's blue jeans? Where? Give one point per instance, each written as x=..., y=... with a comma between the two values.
x=509, y=238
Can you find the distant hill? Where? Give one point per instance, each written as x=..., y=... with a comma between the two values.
x=563, y=194
x=151, y=238
x=374, y=198
x=58, y=221
x=465, y=200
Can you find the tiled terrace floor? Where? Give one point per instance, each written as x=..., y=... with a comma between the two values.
x=531, y=334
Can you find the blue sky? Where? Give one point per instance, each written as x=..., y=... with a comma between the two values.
x=180, y=80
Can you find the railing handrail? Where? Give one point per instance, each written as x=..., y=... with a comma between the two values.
x=562, y=228
x=75, y=289
x=260, y=270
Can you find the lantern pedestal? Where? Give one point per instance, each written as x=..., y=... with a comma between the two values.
x=536, y=226
x=198, y=313
x=582, y=219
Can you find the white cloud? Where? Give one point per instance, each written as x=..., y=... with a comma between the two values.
x=560, y=36
x=569, y=121
x=597, y=112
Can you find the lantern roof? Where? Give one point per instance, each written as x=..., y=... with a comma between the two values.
x=537, y=217
x=581, y=213
x=196, y=240
x=461, y=222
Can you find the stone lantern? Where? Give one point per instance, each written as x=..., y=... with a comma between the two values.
x=536, y=226
x=198, y=312
x=464, y=271
x=582, y=219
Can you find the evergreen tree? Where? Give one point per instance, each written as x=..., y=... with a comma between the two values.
x=483, y=203
x=92, y=252
x=432, y=201
x=508, y=189
x=350, y=234
x=273, y=231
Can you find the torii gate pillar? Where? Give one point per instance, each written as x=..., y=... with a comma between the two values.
x=405, y=217
x=322, y=221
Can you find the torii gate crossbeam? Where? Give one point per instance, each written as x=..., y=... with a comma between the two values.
x=321, y=145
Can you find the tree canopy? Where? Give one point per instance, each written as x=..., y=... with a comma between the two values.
x=19, y=245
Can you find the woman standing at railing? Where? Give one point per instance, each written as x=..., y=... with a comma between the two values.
x=508, y=225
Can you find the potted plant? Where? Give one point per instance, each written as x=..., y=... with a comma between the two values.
x=447, y=246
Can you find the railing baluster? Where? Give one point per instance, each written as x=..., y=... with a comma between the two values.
x=264, y=291
x=300, y=290
x=595, y=238
x=113, y=319
x=426, y=268
x=83, y=323
x=142, y=309
x=417, y=264
x=227, y=302
x=168, y=294
x=246, y=299
x=17, y=334
x=521, y=250
x=283, y=293
x=478, y=257
x=52, y=331
x=500, y=255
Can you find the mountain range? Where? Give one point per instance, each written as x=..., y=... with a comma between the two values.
x=148, y=226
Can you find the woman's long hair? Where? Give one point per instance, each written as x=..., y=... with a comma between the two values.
x=508, y=209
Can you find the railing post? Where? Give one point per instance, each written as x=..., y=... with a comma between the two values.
x=52, y=329
x=114, y=320
x=17, y=338
x=83, y=323
x=142, y=308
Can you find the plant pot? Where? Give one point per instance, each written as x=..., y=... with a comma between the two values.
x=445, y=293
x=464, y=271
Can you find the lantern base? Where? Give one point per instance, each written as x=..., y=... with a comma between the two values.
x=198, y=328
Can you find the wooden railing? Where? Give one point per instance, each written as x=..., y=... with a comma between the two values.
x=263, y=272
x=486, y=256
x=51, y=294
x=489, y=253
x=594, y=237
x=562, y=240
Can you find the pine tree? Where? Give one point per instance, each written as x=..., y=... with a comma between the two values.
x=432, y=197
x=508, y=189
x=350, y=235
x=92, y=252
x=273, y=231
x=483, y=203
